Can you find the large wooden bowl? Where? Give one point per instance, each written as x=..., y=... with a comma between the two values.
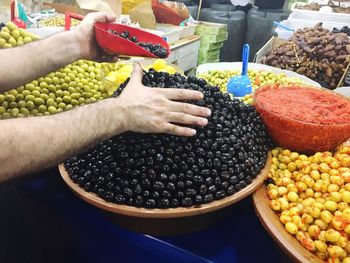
x=275, y=228
x=166, y=221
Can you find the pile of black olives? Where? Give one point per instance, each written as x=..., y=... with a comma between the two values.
x=163, y=171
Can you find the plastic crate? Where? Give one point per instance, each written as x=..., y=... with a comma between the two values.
x=202, y=60
x=209, y=55
x=206, y=45
x=206, y=28
x=214, y=38
x=208, y=52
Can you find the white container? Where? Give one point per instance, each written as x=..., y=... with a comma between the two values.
x=253, y=66
x=187, y=31
x=342, y=4
x=318, y=16
x=296, y=24
x=283, y=33
x=343, y=91
x=44, y=32
x=172, y=33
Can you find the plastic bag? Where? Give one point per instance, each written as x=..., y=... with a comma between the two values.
x=143, y=14
x=128, y=5
x=108, y=6
x=170, y=12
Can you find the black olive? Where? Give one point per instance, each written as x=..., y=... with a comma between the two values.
x=119, y=199
x=158, y=185
x=187, y=201
x=155, y=195
x=208, y=198
x=164, y=203
x=150, y=203
x=268, y=181
x=138, y=201
x=134, y=39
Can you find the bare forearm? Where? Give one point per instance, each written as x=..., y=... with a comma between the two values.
x=30, y=144
x=23, y=64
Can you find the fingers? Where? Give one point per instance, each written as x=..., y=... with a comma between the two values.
x=190, y=109
x=100, y=17
x=187, y=119
x=182, y=94
x=137, y=74
x=178, y=130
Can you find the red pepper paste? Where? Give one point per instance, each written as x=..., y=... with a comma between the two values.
x=304, y=119
x=306, y=104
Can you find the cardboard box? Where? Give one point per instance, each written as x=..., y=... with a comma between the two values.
x=274, y=41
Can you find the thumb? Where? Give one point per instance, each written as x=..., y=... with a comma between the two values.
x=101, y=17
x=137, y=74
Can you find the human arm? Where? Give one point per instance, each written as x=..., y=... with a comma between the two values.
x=21, y=65
x=30, y=144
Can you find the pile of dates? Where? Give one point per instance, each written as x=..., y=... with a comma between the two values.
x=314, y=52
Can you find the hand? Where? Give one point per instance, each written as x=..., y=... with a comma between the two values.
x=156, y=110
x=85, y=34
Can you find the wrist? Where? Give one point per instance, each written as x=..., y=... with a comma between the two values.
x=118, y=116
x=77, y=39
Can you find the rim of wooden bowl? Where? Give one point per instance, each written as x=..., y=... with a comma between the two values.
x=275, y=228
x=169, y=212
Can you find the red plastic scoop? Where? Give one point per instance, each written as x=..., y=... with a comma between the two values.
x=112, y=43
x=115, y=44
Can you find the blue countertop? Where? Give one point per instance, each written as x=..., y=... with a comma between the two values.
x=59, y=227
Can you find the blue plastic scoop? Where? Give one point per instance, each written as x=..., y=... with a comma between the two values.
x=240, y=86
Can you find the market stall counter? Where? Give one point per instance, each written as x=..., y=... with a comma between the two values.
x=86, y=235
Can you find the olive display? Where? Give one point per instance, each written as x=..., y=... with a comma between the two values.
x=311, y=195
x=258, y=78
x=57, y=21
x=76, y=84
x=156, y=49
x=162, y=171
x=12, y=36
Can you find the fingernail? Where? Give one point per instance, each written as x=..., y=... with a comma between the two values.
x=208, y=112
x=193, y=132
x=203, y=122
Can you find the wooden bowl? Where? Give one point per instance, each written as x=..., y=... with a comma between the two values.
x=165, y=219
x=275, y=228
